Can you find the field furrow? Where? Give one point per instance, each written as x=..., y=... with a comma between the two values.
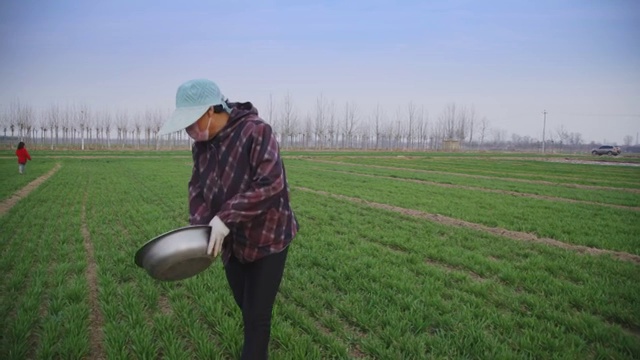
x=544, y=219
x=515, y=235
x=513, y=193
x=95, y=317
x=579, y=183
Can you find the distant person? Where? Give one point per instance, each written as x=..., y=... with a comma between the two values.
x=238, y=186
x=23, y=156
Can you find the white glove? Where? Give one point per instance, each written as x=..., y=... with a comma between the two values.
x=218, y=231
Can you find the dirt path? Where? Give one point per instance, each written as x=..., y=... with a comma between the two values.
x=496, y=191
x=515, y=235
x=8, y=203
x=96, y=321
x=540, y=182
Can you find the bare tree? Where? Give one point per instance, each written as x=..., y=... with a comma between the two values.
x=423, y=120
x=271, y=119
x=484, y=128
x=308, y=131
x=28, y=119
x=563, y=135
x=411, y=114
x=288, y=120
x=627, y=140
x=350, y=122
x=319, y=128
x=364, y=133
x=471, y=119
x=15, y=109
x=499, y=136
x=4, y=122
x=66, y=123
x=575, y=139
x=331, y=129
x=387, y=137
x=448, y=120
x=137, y=127
x=44, y=127
x=53, y=119
x=461, y=124
x=158, y=119
x=81, y=117
x=148, y=126
x=23, y=116
x=399, y=130
x=377, y=118
x=122, y=122
x=106, y=123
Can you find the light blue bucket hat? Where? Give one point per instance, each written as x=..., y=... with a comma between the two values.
x=193, y=99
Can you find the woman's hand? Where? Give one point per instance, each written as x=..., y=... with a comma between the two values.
x=218, y=232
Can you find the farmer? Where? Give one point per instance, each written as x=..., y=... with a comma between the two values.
x=23, y=156
x=238, y=186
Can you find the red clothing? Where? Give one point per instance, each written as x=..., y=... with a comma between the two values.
x=23, y=156
x=239, y=176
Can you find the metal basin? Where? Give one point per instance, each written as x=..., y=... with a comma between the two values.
x=177, y=254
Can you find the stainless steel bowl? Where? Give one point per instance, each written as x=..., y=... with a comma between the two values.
x=177, y=254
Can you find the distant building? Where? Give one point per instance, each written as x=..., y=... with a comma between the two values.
x=451, y=145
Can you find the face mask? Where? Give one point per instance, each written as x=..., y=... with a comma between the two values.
x=199, y=135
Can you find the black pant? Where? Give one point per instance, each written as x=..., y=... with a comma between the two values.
x=254, y=287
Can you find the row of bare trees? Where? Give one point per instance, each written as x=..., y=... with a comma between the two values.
x=77, y=124
x=326, y=126
x=406, y=127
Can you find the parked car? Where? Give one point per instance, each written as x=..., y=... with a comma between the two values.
x=606, y=150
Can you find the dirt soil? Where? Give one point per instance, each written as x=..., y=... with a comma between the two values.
x=96, y=321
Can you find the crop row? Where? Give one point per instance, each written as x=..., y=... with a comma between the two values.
x=604, y=196
x=44, y=309
x=582, y=224
x=592, y=175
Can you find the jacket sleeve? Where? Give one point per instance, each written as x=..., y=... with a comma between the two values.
x=27, y=152
x=267, y=179
x=199, y=213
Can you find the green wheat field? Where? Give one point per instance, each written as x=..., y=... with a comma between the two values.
x=399, y=256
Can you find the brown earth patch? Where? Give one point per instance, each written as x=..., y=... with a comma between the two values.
x=96, y=321
x=632, y=330
x=8, y=203
x=164, y=305
x=496, y=191
x=515, y=235
x=540, y=182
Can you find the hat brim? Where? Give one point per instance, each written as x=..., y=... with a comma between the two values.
x=182, y=118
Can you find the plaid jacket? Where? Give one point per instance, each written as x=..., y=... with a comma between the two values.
x=239, y=176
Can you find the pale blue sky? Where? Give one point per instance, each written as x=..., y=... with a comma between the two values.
x=580, y=60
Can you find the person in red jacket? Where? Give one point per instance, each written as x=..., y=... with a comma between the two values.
x=23, y=156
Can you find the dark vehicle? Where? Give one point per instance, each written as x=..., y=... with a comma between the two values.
x=606, y=150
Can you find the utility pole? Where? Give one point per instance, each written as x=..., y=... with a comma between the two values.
x=544, y=127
